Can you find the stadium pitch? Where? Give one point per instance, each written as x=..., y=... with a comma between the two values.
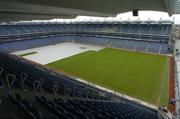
x=139, y=75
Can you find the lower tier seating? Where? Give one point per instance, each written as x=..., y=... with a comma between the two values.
x=136, y=45
x=39, y=93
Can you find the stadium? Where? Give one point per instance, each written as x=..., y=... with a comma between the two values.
x=90, y=69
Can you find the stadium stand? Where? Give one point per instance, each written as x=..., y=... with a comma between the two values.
x=146, y=37
x=40, y=93
x=75, y=100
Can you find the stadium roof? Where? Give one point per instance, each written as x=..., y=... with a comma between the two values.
x=14, y=10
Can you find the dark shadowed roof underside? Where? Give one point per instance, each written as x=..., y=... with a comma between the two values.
x=13, y=10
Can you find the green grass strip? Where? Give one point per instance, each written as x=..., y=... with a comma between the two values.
x=29, y=53
x=164, y=96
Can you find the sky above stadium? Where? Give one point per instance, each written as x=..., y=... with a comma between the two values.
x=146, y=15
x=143, y=15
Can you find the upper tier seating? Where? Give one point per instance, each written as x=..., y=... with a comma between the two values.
x=153, y=38
x=125, y=28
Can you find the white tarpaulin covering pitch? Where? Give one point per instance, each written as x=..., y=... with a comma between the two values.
x=51, y=53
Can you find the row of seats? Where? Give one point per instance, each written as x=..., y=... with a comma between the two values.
x=31, y=43
x=95, y=109
x=136, y=45
x=151, y=47
x=75, y=100
x=75, y=89
x=154, y=38
x=25, y=106
x=156, y=29
x=153, y=29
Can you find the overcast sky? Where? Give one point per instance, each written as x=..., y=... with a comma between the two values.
x=143, y=15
